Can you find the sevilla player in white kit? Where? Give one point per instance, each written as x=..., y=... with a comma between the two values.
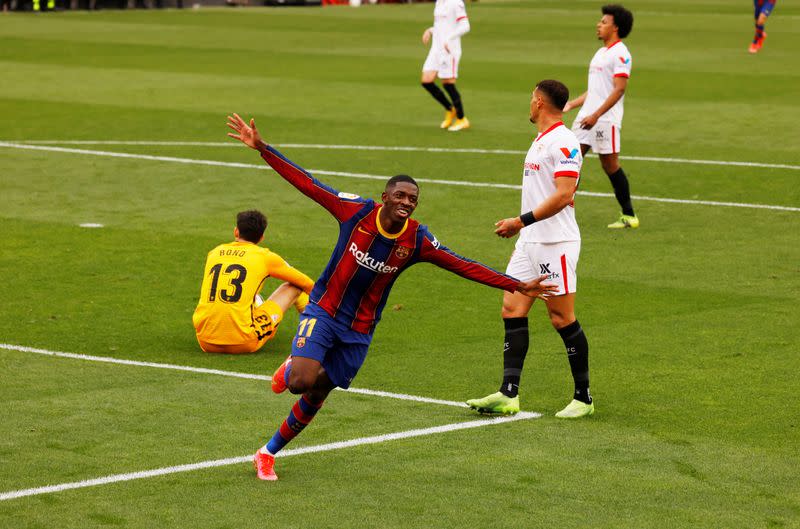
x=549, y=244
x=599, y=121
x=450, y=23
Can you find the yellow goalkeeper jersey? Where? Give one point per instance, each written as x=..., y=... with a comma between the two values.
x=234, y=274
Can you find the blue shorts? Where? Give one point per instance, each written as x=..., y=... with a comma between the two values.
x=764, y=7
x=339, y=349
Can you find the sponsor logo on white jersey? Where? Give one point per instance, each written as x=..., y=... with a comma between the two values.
x=366, y=261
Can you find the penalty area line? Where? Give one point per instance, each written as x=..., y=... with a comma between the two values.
x=218, y=372
x=117, y=478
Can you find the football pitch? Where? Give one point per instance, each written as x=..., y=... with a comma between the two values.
x=113, y=417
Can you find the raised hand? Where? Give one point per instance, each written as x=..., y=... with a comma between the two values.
x=247, y=134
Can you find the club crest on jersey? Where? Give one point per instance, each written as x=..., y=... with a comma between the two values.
x=301, y=342
x=569, y=154
x=401, y=252
x=623, y=60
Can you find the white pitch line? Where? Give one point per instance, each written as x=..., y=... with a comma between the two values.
x=219, y=372
x=397, y=148
x=463, y=183
x=116, y=478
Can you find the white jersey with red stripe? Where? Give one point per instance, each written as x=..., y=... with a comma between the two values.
x=555, y=153
x=608, y=63
x=449, y=23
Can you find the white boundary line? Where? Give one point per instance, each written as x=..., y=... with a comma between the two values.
x=380, y=177
x=219, y=372
x=393, y=148
x=116, y=478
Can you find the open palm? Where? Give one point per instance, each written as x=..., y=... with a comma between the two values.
x=247, y=134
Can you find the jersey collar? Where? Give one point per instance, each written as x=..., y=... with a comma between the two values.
x=615, y=43
x=386, y=233
x=554, y=125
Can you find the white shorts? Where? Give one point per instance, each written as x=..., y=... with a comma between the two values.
x=603, y=138
x=446, y=64
x=557, y=260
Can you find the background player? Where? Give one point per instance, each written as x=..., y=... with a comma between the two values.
x=450, y=22
x=377, y=242
x=549, y=243
x=231, y=317
x=599, y=121
x=763, y=9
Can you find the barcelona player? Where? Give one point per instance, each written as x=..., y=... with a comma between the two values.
x=230, y=316
x=376, y=243
x=763, y=9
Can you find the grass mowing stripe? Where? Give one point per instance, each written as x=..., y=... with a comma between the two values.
x=203, y=370
x=116, y=478
x=385, y=177
x=397, y=148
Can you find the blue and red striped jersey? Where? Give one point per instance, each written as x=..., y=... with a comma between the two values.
x=367, y=260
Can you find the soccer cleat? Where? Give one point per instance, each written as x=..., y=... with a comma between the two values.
x=625, y=221
x=460, y=124
x=264, y=465
x=756, y=45
x=278, y=378
x=575, y=410
x=495, y=404
x=449, y=117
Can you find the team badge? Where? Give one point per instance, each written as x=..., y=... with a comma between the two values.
x=401, y=252
x=301, y=342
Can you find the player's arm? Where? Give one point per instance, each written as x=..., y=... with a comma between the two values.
x=462, y=24
x=620, y=84
x=575, y=103
x=561, y=198
x=426, y=35
x=340, y=205
x=433, y=252
x=280, y=269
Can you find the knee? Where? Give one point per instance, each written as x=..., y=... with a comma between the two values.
x=299, y=383
x=511, y=310
x=560, y=320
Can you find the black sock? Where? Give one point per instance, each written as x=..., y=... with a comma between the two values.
x=578, y=356
x=622, y=191
x=438, y=95
x=514, y=350
x=452, y=91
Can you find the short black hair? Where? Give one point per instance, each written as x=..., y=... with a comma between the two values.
x=557, y=92
x=623, y=18
x=396, y=179
x=251, y=225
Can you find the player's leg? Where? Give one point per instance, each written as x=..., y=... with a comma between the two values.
x=287, y=295
x=561, y=310
x=762, y=13
x=448, y=73
x=516, y=339
x=429, y=71
x=607, y=146
x=303, y=373
x=302, y=413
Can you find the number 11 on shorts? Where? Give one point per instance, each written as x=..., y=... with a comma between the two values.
x=306, y=327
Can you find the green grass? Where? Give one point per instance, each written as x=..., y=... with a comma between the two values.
x=691, y=319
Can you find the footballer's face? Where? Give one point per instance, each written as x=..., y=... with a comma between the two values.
x=606, y=28
x=400, y=201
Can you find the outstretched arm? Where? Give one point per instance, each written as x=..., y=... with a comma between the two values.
x=340, y=205
x=443, y=257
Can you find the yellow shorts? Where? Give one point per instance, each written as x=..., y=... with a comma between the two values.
x=266, y=318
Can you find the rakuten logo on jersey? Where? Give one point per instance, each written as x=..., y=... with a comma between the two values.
x=364, y=260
